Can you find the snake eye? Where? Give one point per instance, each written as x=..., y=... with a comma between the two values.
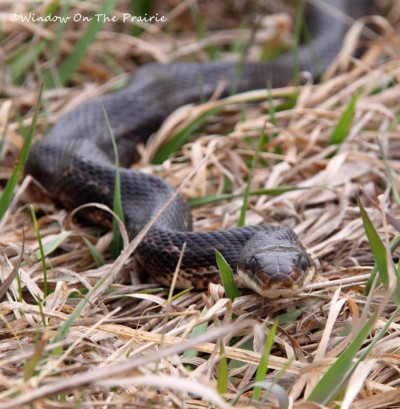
x=304, y=264
x=253, y=265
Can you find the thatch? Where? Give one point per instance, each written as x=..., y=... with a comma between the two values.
x=126, y=346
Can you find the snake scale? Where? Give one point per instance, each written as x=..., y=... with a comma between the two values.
x=75, y=163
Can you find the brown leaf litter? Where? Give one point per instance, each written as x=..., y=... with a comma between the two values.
x=126, y=347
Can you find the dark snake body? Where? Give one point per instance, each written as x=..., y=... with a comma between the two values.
x=75, y=161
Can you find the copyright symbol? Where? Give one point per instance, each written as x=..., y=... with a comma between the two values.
x=14, y=17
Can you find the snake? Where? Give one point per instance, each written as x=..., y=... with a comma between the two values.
x=75, y=162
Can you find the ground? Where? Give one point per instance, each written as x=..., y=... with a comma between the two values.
x=77, y=332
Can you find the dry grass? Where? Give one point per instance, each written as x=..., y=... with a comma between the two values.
x=125, y=348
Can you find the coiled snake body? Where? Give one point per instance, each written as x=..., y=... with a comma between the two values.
x=75, y=162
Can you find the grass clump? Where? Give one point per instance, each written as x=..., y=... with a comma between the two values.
x=81, y=327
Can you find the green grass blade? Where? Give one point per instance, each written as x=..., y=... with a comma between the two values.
x=263, y=365
x=64, y=329
x=40, y=306
x=197, y=331
x=41, y=251
x=72, y=61
x=25, y=59
x=201, y=201
x=243, y=210
x=117, y=201
x=8, y=191
x=280, y=393
x=97, y=257
x=139, y=8
x=389, y=173
x=31, y=364
x=222, y=380
x=375, y=242
x=380, y=335
x=308, y=40
x=289, y=317
x=3, y=138
x=380, y=255
x=226, y=272
x=342, y=128
x=51, y=78
x=243, y=51
x=339, y=373
x=181, y=137
x=393, y=246
x=298, y=30
x=21, y=127
x=52, y=245
x=271, y=109
x=19, y=285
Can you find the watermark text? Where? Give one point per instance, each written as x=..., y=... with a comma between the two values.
x=78, y=17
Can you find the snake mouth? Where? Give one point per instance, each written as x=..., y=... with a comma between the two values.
x=276, y=274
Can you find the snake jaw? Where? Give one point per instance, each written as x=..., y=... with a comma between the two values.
x=272, y=269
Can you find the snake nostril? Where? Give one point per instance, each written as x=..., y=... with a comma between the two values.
x=304, y=263
x=252, y=266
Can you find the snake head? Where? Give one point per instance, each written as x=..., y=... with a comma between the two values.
x=274, y=267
